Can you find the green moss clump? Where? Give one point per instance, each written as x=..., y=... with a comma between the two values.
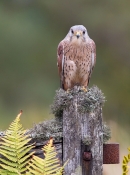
x=45, y=130
x=87, y=140
x=87, y=101
x=106, y=133
x=90, y=100
x=61, y=100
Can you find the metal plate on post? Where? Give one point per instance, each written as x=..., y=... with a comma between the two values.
x=111, y=153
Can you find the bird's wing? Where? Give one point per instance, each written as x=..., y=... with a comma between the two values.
x=93, y=57
x=60, y=62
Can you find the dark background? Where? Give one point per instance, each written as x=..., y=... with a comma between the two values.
x=29, y=34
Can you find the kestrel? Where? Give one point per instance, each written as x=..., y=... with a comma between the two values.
x=76, y=57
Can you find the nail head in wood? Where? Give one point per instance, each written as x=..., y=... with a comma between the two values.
x=111, y=153
x=87, y=156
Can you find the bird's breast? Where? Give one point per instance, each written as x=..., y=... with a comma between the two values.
x=79, y=55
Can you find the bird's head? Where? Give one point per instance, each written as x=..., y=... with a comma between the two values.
x=78, y=34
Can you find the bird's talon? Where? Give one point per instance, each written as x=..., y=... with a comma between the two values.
x=84, y=89
x=68, y=91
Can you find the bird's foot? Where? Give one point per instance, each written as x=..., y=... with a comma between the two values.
x=68, y=91
x=84, y=88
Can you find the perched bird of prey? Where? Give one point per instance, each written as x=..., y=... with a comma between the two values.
x=76, y=57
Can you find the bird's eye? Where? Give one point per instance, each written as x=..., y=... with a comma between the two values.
x=72, y=31
x=84, y=32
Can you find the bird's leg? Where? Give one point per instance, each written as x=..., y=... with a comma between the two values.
x=84, y=88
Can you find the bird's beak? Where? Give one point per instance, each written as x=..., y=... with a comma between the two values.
x=77, y=34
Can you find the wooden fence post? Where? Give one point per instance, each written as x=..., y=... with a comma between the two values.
x=82, y=139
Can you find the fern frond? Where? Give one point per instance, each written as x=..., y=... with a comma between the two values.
x=61, y=170
x=14, y=149
x=24, y=149
x=125, y=162
x=5, y=172
x=47, y=166
x=25, y=157
x=8, y=169
x=13, y=164
x=36, y=165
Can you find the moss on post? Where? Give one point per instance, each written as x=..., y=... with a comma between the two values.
x=81, y=113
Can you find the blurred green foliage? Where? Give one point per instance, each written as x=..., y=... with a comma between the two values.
x=29, y=34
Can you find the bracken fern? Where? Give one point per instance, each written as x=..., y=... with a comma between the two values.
x=125, y=166
x=14, y=149
x=47, y=166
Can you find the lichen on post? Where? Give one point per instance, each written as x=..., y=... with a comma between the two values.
x=81, y=113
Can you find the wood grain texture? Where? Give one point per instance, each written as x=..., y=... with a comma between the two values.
x=76, y=127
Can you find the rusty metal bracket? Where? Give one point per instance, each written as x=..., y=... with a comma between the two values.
x=111, y=153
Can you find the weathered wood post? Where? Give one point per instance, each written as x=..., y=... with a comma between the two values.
x=82, y=131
